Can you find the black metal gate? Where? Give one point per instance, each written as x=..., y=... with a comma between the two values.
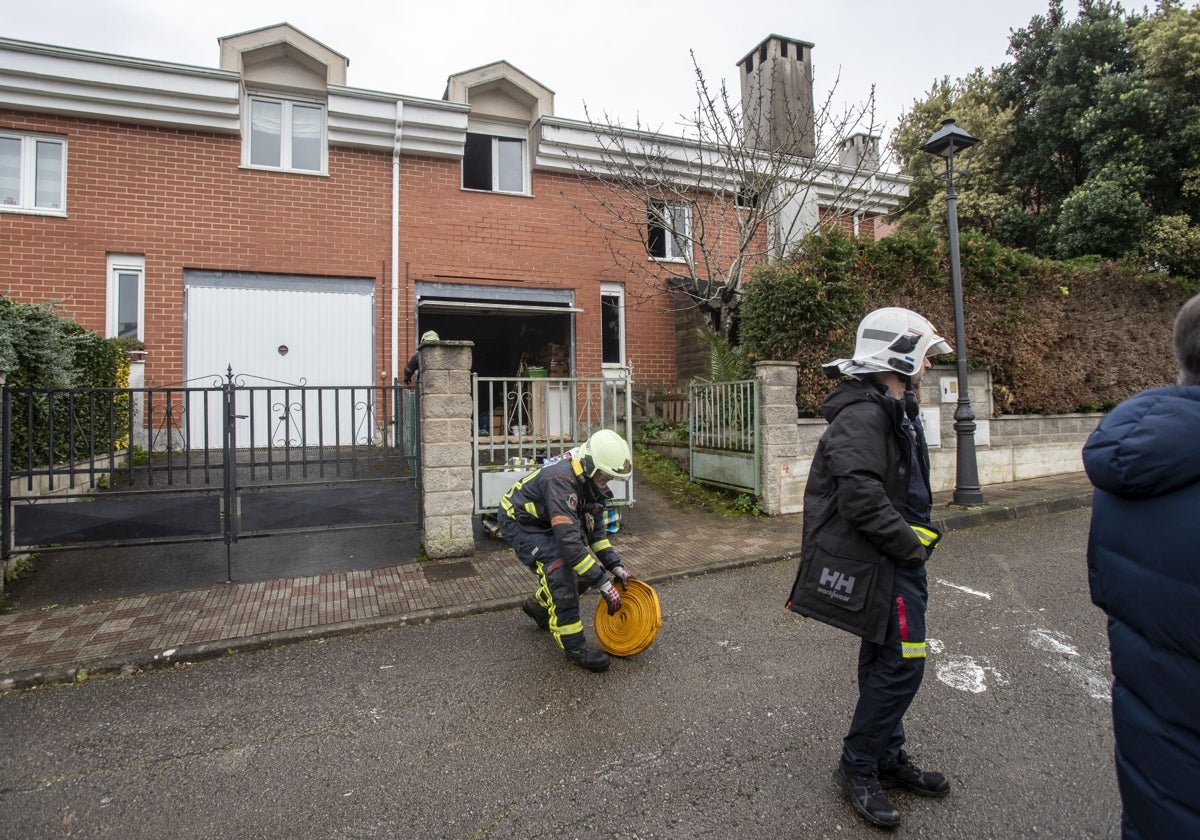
x=105, y=467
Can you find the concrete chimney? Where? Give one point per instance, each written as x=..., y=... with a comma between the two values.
x=860, y=152
x=777, y=96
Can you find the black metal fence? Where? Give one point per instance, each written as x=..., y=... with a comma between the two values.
x=85, y=468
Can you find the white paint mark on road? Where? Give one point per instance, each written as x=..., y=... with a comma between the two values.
x=965, y=674
x=1091, y=677
x=986, y=595
x=1051, y=642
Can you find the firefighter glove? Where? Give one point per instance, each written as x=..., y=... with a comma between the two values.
x=611, y=596
x=621, y=576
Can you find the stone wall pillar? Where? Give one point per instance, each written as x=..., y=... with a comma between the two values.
x=781, y=469
x=447, y=413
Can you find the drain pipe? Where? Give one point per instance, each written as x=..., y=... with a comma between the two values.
x=395, y=360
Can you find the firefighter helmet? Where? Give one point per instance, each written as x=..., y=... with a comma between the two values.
x=890, y=339
x=429, y=335
x=607, y=452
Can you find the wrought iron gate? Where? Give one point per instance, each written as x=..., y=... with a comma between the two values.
x=723, y=434
x=523, y=421
x=93, y=468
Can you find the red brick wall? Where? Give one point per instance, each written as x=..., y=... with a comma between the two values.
x=448, y=235
x=180, y=198
x=866, y=224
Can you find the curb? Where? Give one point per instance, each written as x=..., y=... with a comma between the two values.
x=188, y=654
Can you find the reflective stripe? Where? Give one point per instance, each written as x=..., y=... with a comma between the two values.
x=912, y=650
x=584, y=565
x=506, y=500
x=572, y=629
x=928, y=536
x=600, y=545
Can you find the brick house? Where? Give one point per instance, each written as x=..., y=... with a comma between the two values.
x=265, y=216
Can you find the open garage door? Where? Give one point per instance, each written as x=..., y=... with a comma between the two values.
x=510, y=327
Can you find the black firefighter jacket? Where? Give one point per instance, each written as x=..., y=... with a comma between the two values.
x=560, y=499
x=854, y=527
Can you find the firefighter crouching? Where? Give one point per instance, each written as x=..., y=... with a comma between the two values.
x=553, y=519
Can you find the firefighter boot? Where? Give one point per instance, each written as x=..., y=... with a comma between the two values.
x=866, y=795
x=588, y=657
x=905, y=774
x=539, y=614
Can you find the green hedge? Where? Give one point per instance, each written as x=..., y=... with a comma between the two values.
x=43, y=354
x=1058, y=336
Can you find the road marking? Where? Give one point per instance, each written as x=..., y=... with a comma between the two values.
x=986, y=595
x=1093, y=680
x=965, y=674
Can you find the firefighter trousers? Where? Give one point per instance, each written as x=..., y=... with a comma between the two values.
x=889, y=675
x=558, y=586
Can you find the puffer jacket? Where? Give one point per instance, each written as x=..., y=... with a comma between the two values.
x=854, y=528
x=1144, y=571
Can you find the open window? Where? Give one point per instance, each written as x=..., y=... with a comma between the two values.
x=495, y=160
x=612, y=325
x=669, y=231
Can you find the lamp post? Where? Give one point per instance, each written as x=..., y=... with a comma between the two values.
x=945, y=142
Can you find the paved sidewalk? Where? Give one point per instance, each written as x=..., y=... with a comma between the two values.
x=62, y=644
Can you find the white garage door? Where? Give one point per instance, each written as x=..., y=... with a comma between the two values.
x=280, y=331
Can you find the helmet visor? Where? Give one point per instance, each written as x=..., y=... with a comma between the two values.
x=938, y=346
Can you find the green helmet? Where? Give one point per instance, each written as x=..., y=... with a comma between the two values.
x=429, y=335
x=607, y=452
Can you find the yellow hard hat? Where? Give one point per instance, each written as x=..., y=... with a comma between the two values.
x=609, y=453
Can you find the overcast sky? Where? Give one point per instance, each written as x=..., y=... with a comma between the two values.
x=629, y=58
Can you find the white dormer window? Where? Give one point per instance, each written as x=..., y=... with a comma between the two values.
x=494, y=159
x=282, y=133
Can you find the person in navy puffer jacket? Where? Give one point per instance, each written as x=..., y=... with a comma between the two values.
x=1144, y=572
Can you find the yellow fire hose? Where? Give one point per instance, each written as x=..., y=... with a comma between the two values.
x=631, y=629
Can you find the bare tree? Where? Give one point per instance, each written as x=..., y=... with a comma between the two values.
x=742, y=183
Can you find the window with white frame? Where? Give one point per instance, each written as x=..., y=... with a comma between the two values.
x=612, y=325
x=33, y=173
x=126, y=296
x=281, y=133
x=669, y=230
x=494, y=163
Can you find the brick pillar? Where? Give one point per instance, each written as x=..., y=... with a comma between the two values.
x=782, y=470
x=447, y=413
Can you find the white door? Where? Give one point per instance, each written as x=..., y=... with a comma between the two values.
x=281, y=338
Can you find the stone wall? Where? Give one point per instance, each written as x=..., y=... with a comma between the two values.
x=1008, y=448
x=447, y=480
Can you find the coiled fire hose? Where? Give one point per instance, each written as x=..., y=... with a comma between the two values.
x=631, y=629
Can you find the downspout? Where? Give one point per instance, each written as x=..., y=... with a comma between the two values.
x=395, y=361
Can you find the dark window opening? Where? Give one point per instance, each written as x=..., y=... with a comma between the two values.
x=762, y=53
x=610, y=329
x=477, y=162
x=657, y=235
x=783, y=49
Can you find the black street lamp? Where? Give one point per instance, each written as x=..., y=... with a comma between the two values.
x=945, y=142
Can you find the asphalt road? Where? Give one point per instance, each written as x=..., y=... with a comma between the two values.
x=729, y=726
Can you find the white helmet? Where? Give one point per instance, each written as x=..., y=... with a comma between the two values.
x=607, y=452
x=890, y=339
